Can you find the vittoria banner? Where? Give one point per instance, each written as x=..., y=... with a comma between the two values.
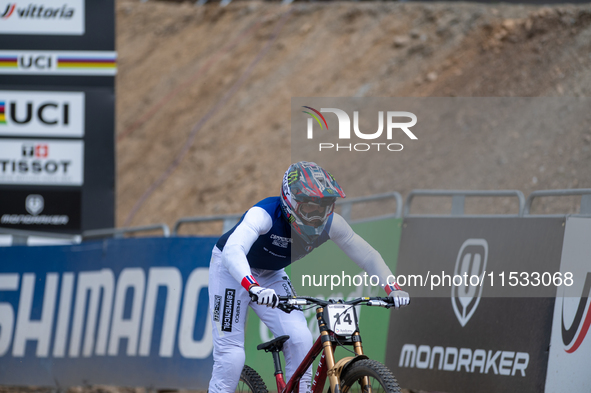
x=55, y=17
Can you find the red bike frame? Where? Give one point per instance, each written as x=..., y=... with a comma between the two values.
x=327, y=361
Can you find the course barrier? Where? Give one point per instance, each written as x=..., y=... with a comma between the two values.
x=133, y=311
x=126, y=312
x=519, y=326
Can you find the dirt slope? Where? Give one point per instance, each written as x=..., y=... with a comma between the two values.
x=203, y=93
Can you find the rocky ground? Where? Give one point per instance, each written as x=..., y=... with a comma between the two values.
x=203, y=94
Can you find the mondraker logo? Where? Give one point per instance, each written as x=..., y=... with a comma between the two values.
x=393, y=125
x=471, y=261
x=574, y=336
x=34, y=204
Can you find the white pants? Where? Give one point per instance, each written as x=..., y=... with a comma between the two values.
x=228, y=302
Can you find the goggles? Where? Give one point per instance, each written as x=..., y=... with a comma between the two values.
x=314, y=213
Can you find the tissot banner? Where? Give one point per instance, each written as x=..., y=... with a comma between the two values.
x=488, y=335
x=42, y=162
x=123, y=312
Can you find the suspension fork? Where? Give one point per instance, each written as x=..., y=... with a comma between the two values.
x=328, y=350
x=358, y=348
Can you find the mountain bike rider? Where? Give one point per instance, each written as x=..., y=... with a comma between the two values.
x=250, y=258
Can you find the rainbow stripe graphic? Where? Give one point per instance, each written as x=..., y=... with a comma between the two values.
x=68, y=62
x=8, y=62
x=319, y=114
x=2, y=113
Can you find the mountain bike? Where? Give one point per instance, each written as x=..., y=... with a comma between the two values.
x=338, y=326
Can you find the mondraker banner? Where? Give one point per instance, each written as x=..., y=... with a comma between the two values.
x=486, y=336
x=126, y=312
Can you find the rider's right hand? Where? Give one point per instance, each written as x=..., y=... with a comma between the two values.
x=264, y=296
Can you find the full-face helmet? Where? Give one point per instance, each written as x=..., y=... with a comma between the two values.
x=308, y=195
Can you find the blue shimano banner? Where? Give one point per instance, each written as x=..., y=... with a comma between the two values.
x=126, y=312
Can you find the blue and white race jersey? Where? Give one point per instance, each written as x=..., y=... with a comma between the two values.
x=263, y=240
x=276, y=248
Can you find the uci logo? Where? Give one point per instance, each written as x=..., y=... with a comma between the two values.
x=36, y=62
x=392, y=120
x=47, y=113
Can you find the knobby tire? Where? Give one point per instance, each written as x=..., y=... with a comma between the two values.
x=380, y=378
x=250, y=382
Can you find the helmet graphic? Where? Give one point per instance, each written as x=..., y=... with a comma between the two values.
x=308, y=196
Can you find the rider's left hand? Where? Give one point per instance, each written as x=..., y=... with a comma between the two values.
x=401, y=298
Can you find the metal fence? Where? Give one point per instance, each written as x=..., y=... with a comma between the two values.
x=458, y=199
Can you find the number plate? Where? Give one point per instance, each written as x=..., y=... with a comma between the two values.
x=341, y=319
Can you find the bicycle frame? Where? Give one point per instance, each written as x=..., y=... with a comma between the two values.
x=324, y=343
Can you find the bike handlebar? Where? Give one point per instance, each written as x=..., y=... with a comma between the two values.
x=290, y=303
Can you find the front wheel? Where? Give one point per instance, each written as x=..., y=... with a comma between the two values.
x=380, y=378
x=250, y=382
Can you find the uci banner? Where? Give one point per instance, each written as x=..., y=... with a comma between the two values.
x=126, y=312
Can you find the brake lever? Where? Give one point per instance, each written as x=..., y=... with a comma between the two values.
x=286, y=308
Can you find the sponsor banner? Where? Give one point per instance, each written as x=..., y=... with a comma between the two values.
x=473, y=338
x=49, y=17
x=14, y=62
x=40, y=210
x=42, y=162
x=123, y=312
x=570, y=352
x=42, y=114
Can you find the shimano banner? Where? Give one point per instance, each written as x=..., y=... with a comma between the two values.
x=126, y=312
x=481, y=320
